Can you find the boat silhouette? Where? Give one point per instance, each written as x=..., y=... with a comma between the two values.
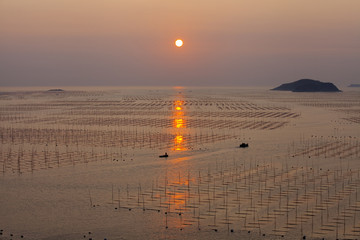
x=164, y=156
x=244, y=145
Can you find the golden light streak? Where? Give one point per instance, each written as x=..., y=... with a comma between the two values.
x=179, y=123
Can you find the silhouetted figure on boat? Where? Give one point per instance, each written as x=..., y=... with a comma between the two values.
x=244, y=145
x=164, y=156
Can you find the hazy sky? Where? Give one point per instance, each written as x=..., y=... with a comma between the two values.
x=131, y=42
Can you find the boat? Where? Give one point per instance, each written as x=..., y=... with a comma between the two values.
x=244, y=145
x=165, y=155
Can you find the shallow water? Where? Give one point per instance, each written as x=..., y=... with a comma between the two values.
x=86, y=160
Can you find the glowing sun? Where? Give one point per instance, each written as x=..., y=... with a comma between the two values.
x=179, y=43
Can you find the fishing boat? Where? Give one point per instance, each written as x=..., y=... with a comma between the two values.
x=164, y=156
x=244, y=145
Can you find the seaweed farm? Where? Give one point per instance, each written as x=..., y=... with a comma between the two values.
x=56, y=131
x=84, y=164
x=261, y=198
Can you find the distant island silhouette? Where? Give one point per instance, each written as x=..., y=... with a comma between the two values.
x=354, y=85
x=308, y=85
x=56, y=90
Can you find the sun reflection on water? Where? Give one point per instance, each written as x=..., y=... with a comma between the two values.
x=179, y=124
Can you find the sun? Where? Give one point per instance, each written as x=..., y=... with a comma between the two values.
x=179, y=43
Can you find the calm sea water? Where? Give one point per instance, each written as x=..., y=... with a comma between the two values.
x=84, y=163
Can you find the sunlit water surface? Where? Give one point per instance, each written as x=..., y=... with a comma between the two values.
x=84, y=163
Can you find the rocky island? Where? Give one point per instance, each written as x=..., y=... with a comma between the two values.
x=308, y=85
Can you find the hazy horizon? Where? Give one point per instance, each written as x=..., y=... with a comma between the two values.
x=131, y=43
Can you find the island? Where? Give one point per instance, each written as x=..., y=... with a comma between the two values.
x=56, y=90
x=354, y=85
x=307, y=85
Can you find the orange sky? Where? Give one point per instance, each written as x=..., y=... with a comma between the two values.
x=131, y=42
